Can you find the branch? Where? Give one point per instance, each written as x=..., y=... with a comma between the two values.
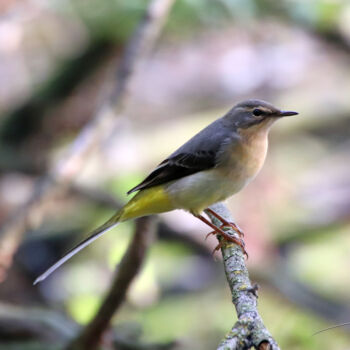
x=92, y=334
x=249, y=331
x=63, y=172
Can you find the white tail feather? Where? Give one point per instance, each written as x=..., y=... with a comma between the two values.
x=93, y=236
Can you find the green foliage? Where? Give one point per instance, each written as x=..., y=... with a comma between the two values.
x=294, y=327
x=83, y=307
x=105, y=19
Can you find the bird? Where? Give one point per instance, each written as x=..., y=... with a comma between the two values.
x=213, y=165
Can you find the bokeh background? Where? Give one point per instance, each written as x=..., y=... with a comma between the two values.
x=57, y=64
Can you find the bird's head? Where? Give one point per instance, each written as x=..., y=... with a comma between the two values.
x=256, y=113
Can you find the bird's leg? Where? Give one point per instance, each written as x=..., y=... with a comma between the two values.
x=222, y=233
x=225, y=223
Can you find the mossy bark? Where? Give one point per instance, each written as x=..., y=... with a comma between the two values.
x=249, y=331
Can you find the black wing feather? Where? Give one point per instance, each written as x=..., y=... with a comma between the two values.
x=197, y=154
x=176, y=167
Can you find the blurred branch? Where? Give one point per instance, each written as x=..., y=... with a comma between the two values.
x=23, y=121
x=25, y=326
x=128, y=268
x=249, y=331
x=22, y=323
x=308, y=233
x=307, y=297
x=90, y=137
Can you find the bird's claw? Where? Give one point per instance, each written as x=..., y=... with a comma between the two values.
x=219, y=231
x=228, y=225
x=216, y=248
x=228, y=238
x=234, y=227
x=210, y=233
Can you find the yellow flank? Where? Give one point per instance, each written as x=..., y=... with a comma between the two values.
x=147, y=202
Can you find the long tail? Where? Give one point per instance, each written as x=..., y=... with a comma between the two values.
x=108, y=225
x=150, y=201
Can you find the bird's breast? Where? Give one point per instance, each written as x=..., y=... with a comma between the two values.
x=246, y=157
x=239, y=163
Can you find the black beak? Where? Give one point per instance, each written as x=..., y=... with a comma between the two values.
x=287, y=113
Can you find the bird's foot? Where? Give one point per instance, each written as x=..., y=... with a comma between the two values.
x=228, y=238
x=226, y=223
x=225, y=236
x=218, y=247
x=234, y=227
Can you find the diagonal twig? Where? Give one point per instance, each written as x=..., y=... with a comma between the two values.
x=64, y=171
x=92, y=334
x=249, y=331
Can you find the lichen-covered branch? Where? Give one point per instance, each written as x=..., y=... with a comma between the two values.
x=70, y=165
x=92, y=334
x=249, y=331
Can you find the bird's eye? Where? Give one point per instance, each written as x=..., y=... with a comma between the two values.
x=257, y=112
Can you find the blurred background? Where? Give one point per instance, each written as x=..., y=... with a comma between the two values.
x=58, y=63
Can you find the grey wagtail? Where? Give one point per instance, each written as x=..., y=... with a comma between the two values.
x=212, y=166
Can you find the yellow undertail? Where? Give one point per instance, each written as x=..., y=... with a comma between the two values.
x=147, y=202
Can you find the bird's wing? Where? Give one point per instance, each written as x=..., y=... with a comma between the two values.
x=201, y=152
x=178, y=166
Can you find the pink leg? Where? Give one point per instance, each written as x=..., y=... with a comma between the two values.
x=225, y=235
x=225, y=223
